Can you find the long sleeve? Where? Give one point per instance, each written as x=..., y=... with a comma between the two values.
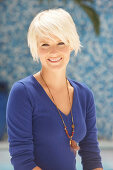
x=19, y=127
x=89, y=149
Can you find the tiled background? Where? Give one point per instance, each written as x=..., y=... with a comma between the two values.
x=93, y=66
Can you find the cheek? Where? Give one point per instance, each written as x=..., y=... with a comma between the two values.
x=42, y=53
x=65, y=51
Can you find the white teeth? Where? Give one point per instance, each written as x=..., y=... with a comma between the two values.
x=55, y=59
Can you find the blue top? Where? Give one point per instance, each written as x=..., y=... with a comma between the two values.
x=36, y=133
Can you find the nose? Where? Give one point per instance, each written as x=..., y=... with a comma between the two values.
x=53, y=50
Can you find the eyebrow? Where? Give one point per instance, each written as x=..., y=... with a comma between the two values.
x=45, y=42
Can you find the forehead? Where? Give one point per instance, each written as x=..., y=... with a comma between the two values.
x=52, y=38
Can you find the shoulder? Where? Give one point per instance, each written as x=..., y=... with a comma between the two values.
x=20, y=87
x=22, y=84
x=25, y=88
x=84, y=95
x=82, y=89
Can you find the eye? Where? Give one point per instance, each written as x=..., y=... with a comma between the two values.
x=61, y=43
x=45, y=45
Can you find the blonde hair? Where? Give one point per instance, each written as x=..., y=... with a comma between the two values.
x=53, y=21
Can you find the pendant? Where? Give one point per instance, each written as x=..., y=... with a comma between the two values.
x=74, y=146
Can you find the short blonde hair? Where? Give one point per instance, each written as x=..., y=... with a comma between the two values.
x=53, y=21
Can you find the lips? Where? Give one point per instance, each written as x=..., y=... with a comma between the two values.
x=55, y=60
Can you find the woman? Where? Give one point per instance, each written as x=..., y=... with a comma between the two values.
x=49, y=116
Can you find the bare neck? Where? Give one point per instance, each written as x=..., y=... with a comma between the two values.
x=55, y=80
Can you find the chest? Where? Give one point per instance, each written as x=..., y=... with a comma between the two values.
x=62, y=99
x=46, y=120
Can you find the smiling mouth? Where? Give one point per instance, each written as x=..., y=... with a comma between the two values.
x=55, y=60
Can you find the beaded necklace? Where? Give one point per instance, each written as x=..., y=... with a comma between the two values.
x=73, y=144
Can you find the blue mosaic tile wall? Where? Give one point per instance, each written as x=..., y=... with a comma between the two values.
x=93, y=66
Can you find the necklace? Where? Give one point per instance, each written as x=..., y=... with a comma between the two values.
x=73, y=144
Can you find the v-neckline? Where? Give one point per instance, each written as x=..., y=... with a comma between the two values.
x=52, y=101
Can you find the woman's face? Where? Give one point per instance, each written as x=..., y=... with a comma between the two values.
x=53, y=54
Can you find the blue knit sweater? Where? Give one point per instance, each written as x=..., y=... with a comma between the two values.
x=36, y=133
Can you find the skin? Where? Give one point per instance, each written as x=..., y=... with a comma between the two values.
x=37, y=168
x=54, y=73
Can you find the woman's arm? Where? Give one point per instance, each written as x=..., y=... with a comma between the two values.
x=19, y=124
x=89, y=149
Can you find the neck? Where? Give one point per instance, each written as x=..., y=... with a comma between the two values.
x=55, y=80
